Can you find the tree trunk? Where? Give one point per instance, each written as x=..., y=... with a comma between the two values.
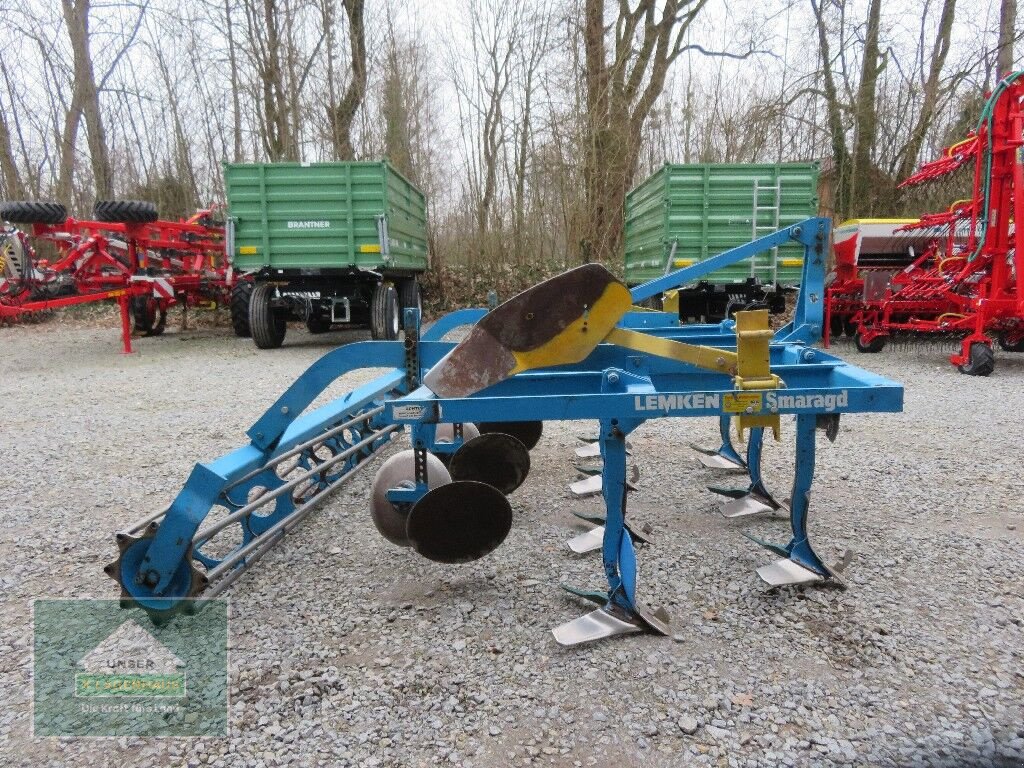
x=833, y=109
x=931, y=91
x=866, y=117
x=76, y=16
x=13, y=188
x=343, y=114
x=1007, y=19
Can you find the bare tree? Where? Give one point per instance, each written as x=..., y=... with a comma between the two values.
x=1007, y=37
x=623, y=82
x=343, y=114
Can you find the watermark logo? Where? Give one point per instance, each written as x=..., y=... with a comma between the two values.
x=101, y=670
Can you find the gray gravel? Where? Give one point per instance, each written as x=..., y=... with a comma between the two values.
x=347, y=650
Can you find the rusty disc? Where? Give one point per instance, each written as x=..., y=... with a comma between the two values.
x=497, y=459
x=459, y=522
x=526, y=432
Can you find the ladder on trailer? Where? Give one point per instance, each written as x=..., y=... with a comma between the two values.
x=765, y=219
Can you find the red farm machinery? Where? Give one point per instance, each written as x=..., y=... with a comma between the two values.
x=959, y=272
x=125, y=253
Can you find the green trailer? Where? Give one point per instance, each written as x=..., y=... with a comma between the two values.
x=324, y=243
x=684, y=214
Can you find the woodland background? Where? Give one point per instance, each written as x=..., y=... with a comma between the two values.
x=524, y=121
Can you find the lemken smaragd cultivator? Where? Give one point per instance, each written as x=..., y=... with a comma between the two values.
x=568, y=348
x=126, y=254
x=965, y=270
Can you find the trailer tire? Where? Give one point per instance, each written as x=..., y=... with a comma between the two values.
x=384, y=314
x=849, y=327
x=1006, y=346
x=149, y=317
x=267, y=326
x=125, y=211
x=981, y=361
x=241, y=293
x=877, y=344
x=409, y=296
x=316, y=324
x=835, y=326
x=27, y=212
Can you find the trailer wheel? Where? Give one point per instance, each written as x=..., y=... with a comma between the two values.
x=1007, y=346
x=149, y=317
x=849, y=327
x=25, y=212
x=835, y=326
x=409, y=296
x=125, y=211
x=317, y=324
x=267, y=326
x=981, y=361
x=384, y=312
x=877, y=344
x=241, y=293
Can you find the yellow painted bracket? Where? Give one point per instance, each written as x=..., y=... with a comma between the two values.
x=709, y=358
x=753, y=372
x=749, y=365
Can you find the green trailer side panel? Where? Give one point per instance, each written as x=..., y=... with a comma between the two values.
x=707, y=208
x=325, y=216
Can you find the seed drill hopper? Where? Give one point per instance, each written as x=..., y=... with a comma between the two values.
x=568, y=348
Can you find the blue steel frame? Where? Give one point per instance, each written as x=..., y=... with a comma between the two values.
x=617, y=387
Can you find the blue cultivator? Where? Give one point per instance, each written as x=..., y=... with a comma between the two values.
x=569, y=348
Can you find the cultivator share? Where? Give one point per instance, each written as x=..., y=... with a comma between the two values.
x=962, y=272
x=568, y=348
x=125, y=254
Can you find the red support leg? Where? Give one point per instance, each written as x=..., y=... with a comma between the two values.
x=126, y=330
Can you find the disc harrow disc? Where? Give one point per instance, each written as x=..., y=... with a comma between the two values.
x=497, y=459
x=397, y=470
x=459, y=522
x=526, y=432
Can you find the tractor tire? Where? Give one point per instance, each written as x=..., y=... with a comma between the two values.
x=849, y=327
x=267, y=326
x=316, y=324
x=24, y=212
x=241, y=293
x=877, y=344
x=981, y=360
x=835, y=326
x=409, y=296
x=125, y=211
x=384, y=314
x=149, y=318
x=1006, y=346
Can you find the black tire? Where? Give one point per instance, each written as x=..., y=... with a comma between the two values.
x=316, y=324
x=125, y=211
x=409, y=296
x=241, y=293
x=24, y=212
x=384, y=314
x=877, y=344
x=267, y=326
x=849, y=327
x=981, y=360
x=1006, y=346
x=835, y=326
x=149, y=318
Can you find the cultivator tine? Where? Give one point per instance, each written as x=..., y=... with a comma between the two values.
x=592, y=449
x=726, y=457
x=589, y=541
x=755, y=498
x=592, y=485
x=800, y=563
x=592, y=595
x=621, y=613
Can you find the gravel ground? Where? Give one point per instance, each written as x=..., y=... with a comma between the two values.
x=346, y=650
